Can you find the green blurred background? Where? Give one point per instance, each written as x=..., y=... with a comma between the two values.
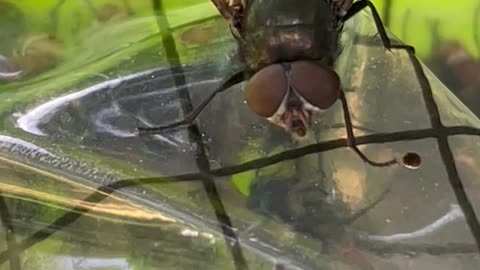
x=410, y=20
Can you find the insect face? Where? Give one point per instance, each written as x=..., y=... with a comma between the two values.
x=288, y=94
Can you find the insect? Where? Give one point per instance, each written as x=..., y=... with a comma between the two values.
x=71, y=216
x=289, y=56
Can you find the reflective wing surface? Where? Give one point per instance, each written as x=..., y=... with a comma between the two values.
x=68, y=152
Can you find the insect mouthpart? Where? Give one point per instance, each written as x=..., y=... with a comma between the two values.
x=294, y=114
x=297, y=121
x=288, y=94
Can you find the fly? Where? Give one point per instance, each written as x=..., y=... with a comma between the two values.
x=288, y=51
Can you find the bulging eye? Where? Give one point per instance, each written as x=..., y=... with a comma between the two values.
x=317, y=84
x=265, y=91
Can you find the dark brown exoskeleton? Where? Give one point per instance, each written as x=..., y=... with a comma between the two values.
x=289, y=48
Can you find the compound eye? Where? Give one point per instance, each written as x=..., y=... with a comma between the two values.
x=316, y=83
x=265, y=91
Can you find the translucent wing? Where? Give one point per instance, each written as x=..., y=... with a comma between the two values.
x=74, y=123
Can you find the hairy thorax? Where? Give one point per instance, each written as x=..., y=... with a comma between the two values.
x=288, y=30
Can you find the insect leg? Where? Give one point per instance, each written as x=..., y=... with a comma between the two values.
x=422, y=79
x=351, y=137
x=226, y=84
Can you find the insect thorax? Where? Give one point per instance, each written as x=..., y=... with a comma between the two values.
x=289, y=30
